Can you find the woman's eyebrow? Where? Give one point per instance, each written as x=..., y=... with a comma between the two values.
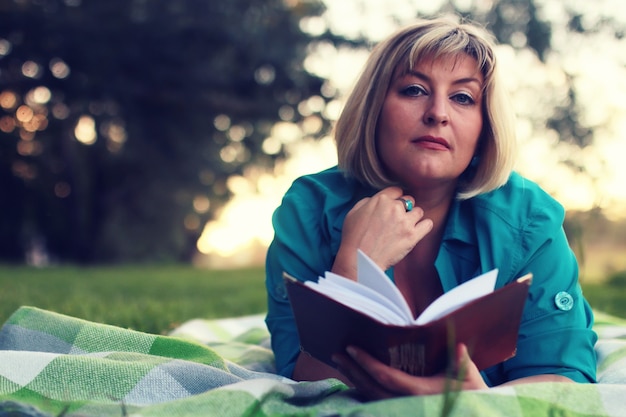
x=464, y=80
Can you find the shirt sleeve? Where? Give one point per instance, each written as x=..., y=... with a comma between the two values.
x=556, y=335
x=302, y=247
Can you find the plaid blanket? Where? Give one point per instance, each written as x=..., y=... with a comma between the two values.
x=55, y=365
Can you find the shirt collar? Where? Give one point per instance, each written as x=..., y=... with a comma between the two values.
x=459, y=225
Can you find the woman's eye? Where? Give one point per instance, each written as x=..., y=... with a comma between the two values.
x=463, y=98
x=413, y=91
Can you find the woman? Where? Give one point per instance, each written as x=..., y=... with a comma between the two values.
x=425, y=188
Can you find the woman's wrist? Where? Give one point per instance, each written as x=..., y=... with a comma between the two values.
x=345, y=263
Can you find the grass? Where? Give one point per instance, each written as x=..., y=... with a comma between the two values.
x=146, y=298
x=155, y=299
x=608, y=296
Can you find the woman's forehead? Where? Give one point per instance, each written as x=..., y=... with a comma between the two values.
x=449, y=61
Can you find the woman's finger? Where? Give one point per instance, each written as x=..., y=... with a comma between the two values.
x=360, y=379
x=394, y=381
x=466, y=369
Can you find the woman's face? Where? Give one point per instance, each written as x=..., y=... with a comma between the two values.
x=431, y=121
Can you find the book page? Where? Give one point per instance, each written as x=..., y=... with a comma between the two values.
x=459, y=296
x=375, y=295
x=370, y=275
x=369, y=293
x=356, y=300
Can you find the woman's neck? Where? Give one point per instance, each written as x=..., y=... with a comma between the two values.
x=435, y=202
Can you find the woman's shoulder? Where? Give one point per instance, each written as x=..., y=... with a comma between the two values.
x=329, y=178
x=518, y=202
x=320, y=198
x=310, y=217
x=329, y=186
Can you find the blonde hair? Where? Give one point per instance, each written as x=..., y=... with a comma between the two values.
x=355, y=130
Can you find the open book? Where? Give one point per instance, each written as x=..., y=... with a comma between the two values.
x=371, y=313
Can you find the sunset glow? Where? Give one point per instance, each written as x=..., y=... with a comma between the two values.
x=600, y=71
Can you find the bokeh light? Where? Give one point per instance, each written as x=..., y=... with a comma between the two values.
x=59, y=68
x=85, y=130
x=31, y=69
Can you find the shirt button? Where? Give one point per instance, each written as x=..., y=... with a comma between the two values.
x=564, y=301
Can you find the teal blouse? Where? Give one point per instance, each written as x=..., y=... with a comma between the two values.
x=516, y=228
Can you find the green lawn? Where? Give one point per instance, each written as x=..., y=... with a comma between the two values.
x=609, y=295
x=146, y=298
x=156, y=298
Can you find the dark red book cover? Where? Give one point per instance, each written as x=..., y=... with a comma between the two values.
x=487, y=325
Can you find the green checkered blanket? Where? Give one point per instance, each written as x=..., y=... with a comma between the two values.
x=55, y=365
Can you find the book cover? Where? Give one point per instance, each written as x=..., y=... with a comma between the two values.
x=488, y=324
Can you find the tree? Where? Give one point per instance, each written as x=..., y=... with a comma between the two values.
x=120, y=121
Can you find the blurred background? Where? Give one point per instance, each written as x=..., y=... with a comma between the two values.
x=166, y=131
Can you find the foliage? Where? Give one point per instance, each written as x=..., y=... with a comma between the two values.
x=170, y=98
x=617, y=279
x=607, y=299
x=145, y=298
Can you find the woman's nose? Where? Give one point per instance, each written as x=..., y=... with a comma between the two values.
x=436, y=111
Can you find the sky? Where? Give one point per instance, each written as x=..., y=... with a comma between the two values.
x=238, y=238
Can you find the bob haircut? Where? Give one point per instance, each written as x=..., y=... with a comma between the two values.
x=355, y=130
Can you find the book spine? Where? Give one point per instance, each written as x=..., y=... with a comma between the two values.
x=408, y=357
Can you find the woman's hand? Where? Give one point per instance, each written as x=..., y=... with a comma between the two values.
x=381, y=227
x=377, y=380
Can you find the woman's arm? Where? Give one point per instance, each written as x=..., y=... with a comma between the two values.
x=310, y=235
x=556, y=335
x=310, y=369
x=538, y=378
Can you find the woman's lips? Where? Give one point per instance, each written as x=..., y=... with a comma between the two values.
x=431, y=142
